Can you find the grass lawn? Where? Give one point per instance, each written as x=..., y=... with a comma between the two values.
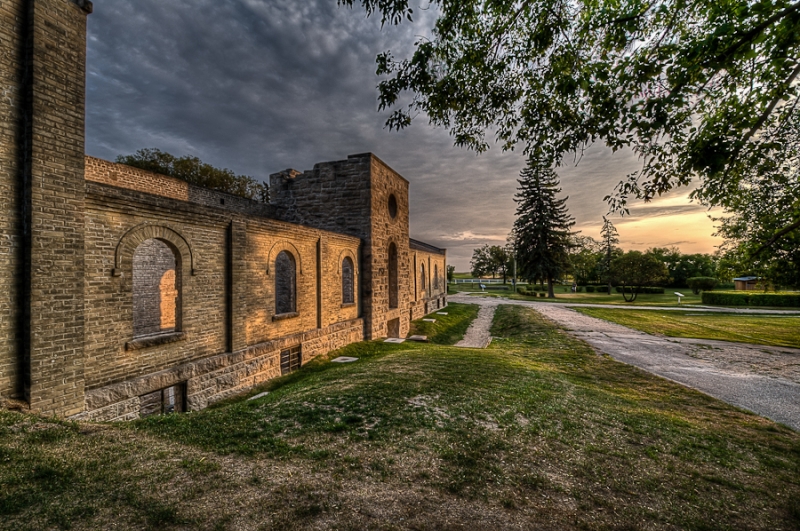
x=777, y=330
x=535, y=432
x=448, y=329
x=666, y=299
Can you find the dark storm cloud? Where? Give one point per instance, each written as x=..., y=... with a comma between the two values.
x=261, y=86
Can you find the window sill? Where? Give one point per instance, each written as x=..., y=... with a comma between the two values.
x=155, y=340
x=282, y=316
x=348, y=304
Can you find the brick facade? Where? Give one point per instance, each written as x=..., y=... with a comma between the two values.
x=119, y=287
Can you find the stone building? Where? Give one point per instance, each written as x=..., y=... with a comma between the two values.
x=125, y=293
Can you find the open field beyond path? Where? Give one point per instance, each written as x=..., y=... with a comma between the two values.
x=762, y=379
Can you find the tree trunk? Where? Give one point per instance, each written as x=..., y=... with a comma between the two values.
x=550, y=294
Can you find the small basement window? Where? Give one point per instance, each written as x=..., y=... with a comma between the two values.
x=171, y=399
x=291, y=359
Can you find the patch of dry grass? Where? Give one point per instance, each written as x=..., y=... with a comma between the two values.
x=536, y=432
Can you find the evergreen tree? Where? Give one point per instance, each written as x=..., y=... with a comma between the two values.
x=610, y=238
x=542, y=226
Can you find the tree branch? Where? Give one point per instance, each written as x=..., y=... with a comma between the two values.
x=777, y=236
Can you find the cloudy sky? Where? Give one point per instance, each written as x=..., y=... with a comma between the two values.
x=259, y=86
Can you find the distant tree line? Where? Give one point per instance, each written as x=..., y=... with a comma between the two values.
x=195, y=171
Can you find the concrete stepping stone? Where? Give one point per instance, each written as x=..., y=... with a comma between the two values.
x=344, y=359
x=429, y=320
x=422, y=339
x=393, y=340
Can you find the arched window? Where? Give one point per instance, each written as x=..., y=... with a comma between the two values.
x=436, y=276
x=393, y=276
x=156, y=280
x=348, y=286
x=422, y=276
x=285, y=284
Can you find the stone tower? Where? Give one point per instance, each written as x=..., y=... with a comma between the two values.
x=42, y=73
x=361, y=196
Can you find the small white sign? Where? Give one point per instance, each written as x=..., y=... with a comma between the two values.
x=259, y=395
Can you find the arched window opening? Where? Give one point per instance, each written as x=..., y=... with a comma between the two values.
x=348, y=285
x=285, y=283
x=422, y=276
x=436, y=276
x=156, y=278
x=393, y=276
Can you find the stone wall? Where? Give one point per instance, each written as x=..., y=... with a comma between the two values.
x=13, y=27
x=226, y=263
x=52, y=145
x=74, y=229
x=215, y=378
x=430, y=287
x=122, y=176
x=389, y=187
x=352, y=197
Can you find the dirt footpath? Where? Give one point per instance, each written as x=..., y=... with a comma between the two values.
x=762, y=379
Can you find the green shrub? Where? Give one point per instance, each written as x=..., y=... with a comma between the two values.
x=543, y=294
x=589, y=289
x=649, y=290
x=751, y=298
x=698, y=284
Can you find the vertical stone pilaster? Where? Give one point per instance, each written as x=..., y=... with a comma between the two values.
x=237, y=310
x=320, y=306
x=53, y=173
x=13, y=17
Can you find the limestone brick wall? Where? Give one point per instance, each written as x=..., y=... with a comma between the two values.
x=385, y=229
x=215, y=378
x=230, y=336
x=12, y=98
x=112, y=218
x=352, y=197
x=122, y=176
x=53, y=146
x=431, y=294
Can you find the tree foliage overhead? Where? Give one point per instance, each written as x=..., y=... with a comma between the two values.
x=701, y=91
x=542, y=226
x=194, y=171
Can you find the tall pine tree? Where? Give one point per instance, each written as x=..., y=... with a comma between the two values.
x=542, y=226
x=610, y=238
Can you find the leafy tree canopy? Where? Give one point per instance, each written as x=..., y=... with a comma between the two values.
x=701, y=91
x=636, y=270
x=194, y=171
x=489, y=259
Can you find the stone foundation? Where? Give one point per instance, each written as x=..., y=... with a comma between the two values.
x=218, y=377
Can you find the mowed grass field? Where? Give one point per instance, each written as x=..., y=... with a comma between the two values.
x=776, y=330
x=665, y=299
x=535, y=432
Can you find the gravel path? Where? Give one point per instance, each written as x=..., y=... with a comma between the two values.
x=477, y=335
x=762, y=379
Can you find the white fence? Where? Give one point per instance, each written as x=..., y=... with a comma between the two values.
x=483, y=281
